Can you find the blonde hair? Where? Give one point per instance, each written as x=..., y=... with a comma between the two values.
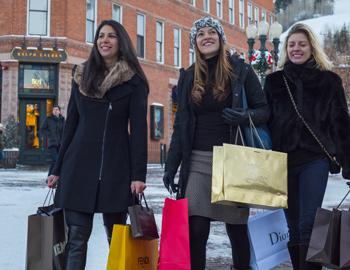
x=322, y=60
x=223, y=73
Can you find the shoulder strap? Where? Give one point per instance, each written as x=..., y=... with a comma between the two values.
x=306, y=124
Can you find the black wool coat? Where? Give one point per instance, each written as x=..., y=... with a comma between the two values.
x=321, y=100
x=185, y=121
x=53, y=129
x=99, y=158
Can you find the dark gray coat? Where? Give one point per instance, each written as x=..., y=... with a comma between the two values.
x=52, y=128
x=185, y=121
x=99, y=158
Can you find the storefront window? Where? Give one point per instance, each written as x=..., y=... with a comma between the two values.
x=37, y=79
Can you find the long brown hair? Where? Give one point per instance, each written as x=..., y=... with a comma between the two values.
x=223, y=73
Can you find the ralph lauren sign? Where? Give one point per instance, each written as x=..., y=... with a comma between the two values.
x=36, y=55
x=269, y=236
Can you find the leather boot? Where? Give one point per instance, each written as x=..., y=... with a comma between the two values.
x=294, y=255
x=303, y=264
x=76, y=249
x=109, y=230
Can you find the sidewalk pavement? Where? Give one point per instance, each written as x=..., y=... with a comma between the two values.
x=23, y=190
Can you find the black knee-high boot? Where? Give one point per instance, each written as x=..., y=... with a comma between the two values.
x=76, y=249
x=109, y=230
x=297, y=254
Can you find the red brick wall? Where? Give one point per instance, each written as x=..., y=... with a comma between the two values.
x=68, y=24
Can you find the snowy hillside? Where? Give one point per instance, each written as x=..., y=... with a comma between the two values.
x=320, y=25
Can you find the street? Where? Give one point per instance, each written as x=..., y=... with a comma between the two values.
x=22, y=190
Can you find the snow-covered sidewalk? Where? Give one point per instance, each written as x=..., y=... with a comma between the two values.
x=22, y=191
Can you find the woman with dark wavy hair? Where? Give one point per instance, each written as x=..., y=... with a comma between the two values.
x=103, y=155
x=208, y=113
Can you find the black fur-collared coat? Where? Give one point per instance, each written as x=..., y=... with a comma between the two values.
x=321, y=100
x=99, y=156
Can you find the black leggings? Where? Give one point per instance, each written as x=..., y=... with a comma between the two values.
x=199, y=233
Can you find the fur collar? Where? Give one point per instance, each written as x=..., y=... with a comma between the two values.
x=120, y=73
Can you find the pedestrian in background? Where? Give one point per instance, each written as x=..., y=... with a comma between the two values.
x=208, y=108
x=52, y=129
x=103, y=155
x=319, y=97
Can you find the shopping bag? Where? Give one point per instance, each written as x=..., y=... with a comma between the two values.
x=250, y=176
x=174, y=252
x=128, y=253
x=143, y=223
x=325, y=238
x=344, y=260
x=268, y=233
x=46, y=239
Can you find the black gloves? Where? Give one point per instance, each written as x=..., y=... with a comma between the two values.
x=169, y=183
x=235, y=116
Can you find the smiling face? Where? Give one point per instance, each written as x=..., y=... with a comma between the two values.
x=107, y=44
x=298, y=48
x=208, y=42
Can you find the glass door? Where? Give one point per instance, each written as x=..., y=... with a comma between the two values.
x=32, y=113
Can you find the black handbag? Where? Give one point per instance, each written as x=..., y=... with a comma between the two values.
x=143, y=224
x=334, y=166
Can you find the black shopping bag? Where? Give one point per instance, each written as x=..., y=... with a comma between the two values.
x=344, y=259
x=46, y=239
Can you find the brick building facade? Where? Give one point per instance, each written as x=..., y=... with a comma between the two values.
x=41, y=41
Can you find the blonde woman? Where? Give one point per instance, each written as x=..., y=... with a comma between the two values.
x=319, y=98
x=208, y=107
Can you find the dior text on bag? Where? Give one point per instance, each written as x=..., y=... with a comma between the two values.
x=143, y=224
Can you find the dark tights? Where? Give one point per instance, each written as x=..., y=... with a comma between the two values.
x=199, y=233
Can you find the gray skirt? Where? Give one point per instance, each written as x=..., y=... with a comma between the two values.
x=198, y=193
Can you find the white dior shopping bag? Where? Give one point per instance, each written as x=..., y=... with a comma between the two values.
x=269, y=236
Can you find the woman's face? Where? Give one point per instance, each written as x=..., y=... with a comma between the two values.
x=298, y=48
x=107, y=44
x=208, y=42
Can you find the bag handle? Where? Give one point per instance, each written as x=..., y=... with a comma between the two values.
x=306, y=124
x=139, y=198
x=50, y=194
x=346, y=195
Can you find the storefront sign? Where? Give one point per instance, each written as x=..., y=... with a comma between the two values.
x=35, y=55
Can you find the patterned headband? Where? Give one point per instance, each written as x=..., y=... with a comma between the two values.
x=206, y=22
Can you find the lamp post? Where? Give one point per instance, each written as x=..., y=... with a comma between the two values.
x=262, y=31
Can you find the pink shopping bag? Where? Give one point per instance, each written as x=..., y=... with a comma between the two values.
x=174, y=252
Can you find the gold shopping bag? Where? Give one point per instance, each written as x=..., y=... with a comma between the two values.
x=250, y=176
x=128, y=253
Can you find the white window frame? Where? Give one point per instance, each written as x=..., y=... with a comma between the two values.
x=121, y=13
x=264, y=15
x=219, y=8
x=231, y=11
x=160, y=61
x=48, y=19
x=206, y=3
x=193, y=3
x=95, y=22
x=241, y=14
x=177, y=48
x=256, y=16
x=250, y=13
x=144, y=35
x=192, y=55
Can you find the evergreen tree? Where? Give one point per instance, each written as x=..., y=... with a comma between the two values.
x=11, y=133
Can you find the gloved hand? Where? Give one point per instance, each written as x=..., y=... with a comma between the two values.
x=235, y=116
x=169, y=184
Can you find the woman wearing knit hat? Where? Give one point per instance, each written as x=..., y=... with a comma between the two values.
x=208, y=114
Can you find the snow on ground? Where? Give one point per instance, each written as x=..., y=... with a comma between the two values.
x=22, y=191
x=321, y=25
